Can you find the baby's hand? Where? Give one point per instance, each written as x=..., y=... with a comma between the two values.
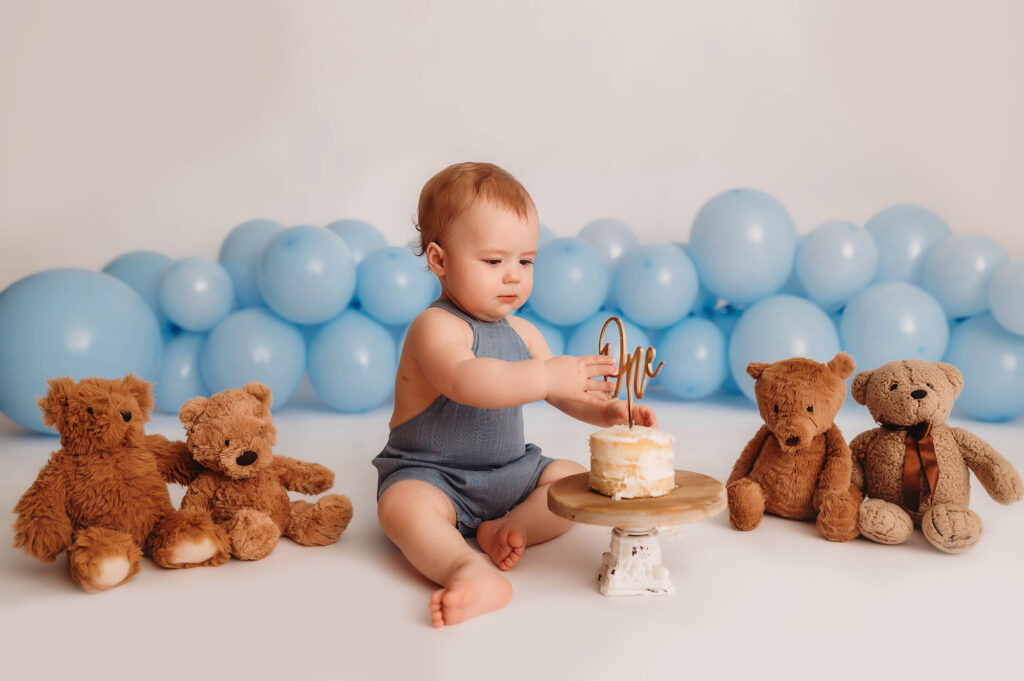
x=616, y=413
x=572, y=378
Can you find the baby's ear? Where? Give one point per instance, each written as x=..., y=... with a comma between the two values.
x=860, y=387
x=140, y=390
x=435, y=257
x=260, y=392
x=755, y=369
x=842, y=364
x=191, y=410
x=953, y=375
x=56, y=400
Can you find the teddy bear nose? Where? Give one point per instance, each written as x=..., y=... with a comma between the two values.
x=246, y=458
x=792, y=441
x=126, y=415
x=919, y=394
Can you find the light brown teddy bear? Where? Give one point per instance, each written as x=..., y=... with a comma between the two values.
x=245, y=486
x=913, y=469
x=103, y=496
x=798, y=465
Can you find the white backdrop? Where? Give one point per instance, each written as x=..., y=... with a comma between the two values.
x=127, y=125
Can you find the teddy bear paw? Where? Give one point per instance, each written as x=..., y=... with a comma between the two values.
x=746, y=504
x=187, y=552
x=253, y=534
x=321, y=523
x=883, y=522
x=951, y=529
x=101, y=559
x=837, y=517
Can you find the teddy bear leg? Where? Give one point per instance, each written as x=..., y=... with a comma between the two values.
x=188, y=538
x=837, y=517
x=101, y=558
x=951, y=528
x=321, y=523
x=746, y=504
x=883, y=522
x=253, y=534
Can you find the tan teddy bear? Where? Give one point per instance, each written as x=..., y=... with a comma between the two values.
x=914, y=468
x=245, y=486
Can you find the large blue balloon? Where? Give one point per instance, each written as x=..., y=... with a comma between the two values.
x=195, y=293
x=834, y=262
x=75, y=323
x=553, y=335
x=307, y=274
x=392, y=286
x=362, y=238
x=179, y=379
x=583, y=339
x=893, y=321
x=778, y=328
x=706, y=301
x=958, y=271
x=904, y=236
x=240, y=255
x=1006, y=296
x=695, y=358
x=352, y=362
x=142, y=270
x=743, y=242
x=991, y=360
x=726, y=318
x=545, y=236
x=613, y=238
x=570, y=281
x=254, y=345
x=655, y=285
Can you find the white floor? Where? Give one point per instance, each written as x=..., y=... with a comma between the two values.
x=778, y=602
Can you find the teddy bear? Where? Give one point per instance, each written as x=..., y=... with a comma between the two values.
x=244, y=485
x=103, y=496
x=798, y=465
x=913, y=468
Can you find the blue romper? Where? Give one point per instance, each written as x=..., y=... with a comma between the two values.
x=478, y=457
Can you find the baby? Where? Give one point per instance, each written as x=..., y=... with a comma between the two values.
x=456, y=463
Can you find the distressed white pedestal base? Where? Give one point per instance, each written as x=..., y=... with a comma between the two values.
x=633, y=565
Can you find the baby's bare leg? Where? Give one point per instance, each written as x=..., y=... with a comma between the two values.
x=505, y=538
x=420, y=520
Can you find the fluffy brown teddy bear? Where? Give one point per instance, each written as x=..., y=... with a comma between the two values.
x=103, y=496
x=798, y=464
x=245, y=486
x=913, y=468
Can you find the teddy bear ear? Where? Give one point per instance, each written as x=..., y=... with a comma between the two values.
x=953, y=375
x=842, y=364
x=191, y=410
x=260, y=392
x=859, y=389
x=141, y=390
x=755, y=369
x=56, y=400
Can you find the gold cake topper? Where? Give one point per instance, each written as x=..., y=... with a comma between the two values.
x=629, y=368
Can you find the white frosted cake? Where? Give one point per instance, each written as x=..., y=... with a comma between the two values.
x=630, y=463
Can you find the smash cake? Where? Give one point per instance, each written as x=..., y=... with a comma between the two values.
x=631, y=463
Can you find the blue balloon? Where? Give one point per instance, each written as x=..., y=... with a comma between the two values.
x=706, y=301
x=613, y=238
x=570, y=281
x=892, y=321
x=70, y=322
x=834, y=262
x=195, y=293
x=545, y=236
x=904, y=236
x=655, y=285
x=958, y=271
x=352, y=363
x=179, y=379
x=1006, y=296
x=240, y=255
x=991, y=360
x=392, y=286
x=254, y=345
x=743, y=242
x=307, y=274
x=778, y=328
x=583, y=339
x=362, y=238
x=695, y=358
x=726, y=318
x=553, y=335
x=142, y=270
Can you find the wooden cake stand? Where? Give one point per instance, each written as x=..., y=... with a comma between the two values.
x=633, y=565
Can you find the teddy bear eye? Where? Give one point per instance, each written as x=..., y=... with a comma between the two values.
x=810, y=408
x=893, y=386
x=88, y=410
x=227, y=443
x=776, y=408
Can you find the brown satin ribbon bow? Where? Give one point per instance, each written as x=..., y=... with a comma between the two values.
x=920, y=455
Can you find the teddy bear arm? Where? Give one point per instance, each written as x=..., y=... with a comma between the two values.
x=837, y=472
x=173, y=459
x=858, y=450
x=301, y=476
x=199, y=494
x=997, y=475
x=43, y=527
x=749, y=455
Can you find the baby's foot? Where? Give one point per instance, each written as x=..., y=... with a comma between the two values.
x=502, y=542
x=473, y=589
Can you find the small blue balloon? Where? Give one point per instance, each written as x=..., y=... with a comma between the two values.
x=834, y=262
x=655, y=285
x=352, y=363
x=392, y=286
x=743, y=242
x=142, y=270
x=362, y=238
x=254, y=345
x=904, y=236
x=179, y=379
x=991, y=360
x=958, y=271
x=726, y=318
x=583, y=339
x=778, y=328
x=307, y=274
x=240, y=255
x=570, y=281
x=892, y=321
x=695, y=358
x=70, y=322
x=1006, y=296
x=553, y=335
x=195, y=293
x=545, y=236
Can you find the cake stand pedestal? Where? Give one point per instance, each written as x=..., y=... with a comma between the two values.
x=632, y=566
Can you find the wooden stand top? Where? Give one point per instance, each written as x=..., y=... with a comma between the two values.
x=695, y=497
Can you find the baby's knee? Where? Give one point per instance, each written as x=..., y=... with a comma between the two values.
x=407, y=500
x=561, y=468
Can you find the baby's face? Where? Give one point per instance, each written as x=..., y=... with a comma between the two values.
x=488, y=269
